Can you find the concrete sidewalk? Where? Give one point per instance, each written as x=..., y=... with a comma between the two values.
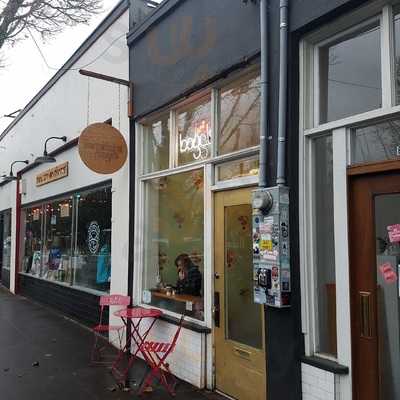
x=31, y=334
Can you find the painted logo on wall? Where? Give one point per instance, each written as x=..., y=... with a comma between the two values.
x=94, y=237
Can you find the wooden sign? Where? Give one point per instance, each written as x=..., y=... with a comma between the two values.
x=102, y=148
x=52, y=174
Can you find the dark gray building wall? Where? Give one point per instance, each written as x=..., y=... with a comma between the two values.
x=187, y=43
x=194, y=42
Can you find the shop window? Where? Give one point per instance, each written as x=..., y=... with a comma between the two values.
x=156, y=149
x=69, y=240
x=31, y=235
x=5, y=235
x=93, y=240
x=173, y=243
x=238, y=169
x=239, y=118
x=325, y=282
x=376, y=142
x=56, y=253
x=194, y=132
x=350, y=75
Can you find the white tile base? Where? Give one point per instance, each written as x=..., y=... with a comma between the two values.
x=317, y=384
x=187, y=361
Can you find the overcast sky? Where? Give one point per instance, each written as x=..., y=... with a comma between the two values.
x=26, y=73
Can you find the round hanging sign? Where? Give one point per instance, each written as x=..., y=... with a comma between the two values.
x=102, y=148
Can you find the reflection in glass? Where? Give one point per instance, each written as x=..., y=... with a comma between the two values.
x=376, y=142
x=31, y=234
x=5, y=236
x=194, y=132
x=238, y=169
x=350, y=75
x=92, y=261
x=387, y=213
x=156, y=145
x=173, y=225
x=324, y=244
x=58, y=240
x=239, y=125
x=239, y=304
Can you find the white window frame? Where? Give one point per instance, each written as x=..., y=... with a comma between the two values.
x=309, y=128
x=211, y=184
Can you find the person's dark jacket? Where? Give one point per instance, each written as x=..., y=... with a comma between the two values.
x=192, y=283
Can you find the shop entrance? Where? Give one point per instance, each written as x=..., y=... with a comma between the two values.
x=374, y=220
x=239, y=323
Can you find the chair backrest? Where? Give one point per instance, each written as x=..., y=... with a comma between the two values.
x=177, y=333
x=115, y=300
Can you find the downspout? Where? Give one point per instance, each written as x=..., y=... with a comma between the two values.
x=281, y=160
x=264, y=85
x=17, y=233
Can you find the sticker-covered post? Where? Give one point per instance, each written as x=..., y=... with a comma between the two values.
x=271, y=251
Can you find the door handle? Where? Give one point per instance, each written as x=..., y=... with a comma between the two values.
x=365, y=315
x=216, y=309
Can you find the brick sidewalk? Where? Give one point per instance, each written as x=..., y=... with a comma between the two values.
x=31, y=333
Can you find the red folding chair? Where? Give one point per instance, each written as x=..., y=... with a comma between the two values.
x=155, y=354
x=101, y=341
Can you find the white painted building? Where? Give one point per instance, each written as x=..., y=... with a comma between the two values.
x=51, y=262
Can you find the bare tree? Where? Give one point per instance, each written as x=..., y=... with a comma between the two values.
x=46, y=17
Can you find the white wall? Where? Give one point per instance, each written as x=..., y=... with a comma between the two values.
x=72, y=103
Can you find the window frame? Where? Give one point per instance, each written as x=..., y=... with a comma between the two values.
x=41, y=204
x=309, y=128
x=211, y=184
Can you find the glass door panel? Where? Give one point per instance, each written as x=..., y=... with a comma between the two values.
x=238, y=278
x=387, y=234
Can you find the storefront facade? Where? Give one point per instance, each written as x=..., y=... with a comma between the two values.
x=348, y=180
x=197, y=134
x=68, y=241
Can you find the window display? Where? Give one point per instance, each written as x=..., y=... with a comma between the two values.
x=5, y=235
x=173, y=243
x=69, y=240
x=194, y=132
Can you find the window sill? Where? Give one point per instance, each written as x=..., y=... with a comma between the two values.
x=192, y=326
x=325, y=364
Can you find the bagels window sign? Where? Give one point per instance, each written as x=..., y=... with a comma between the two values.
x=102, y=148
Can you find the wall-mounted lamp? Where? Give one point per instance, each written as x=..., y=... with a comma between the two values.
x=11, y=177
x=45, y=158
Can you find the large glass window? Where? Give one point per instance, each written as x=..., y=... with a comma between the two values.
x=93, y=240
x=324, y=246
x=239, y=118
x=69, y=240
x=173, y=243
x=5, y=236
x=397, y=54
x=350, y=75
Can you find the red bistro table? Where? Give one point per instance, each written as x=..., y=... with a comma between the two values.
x=133, y=317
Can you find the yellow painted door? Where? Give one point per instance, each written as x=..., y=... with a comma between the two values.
x=239, y=323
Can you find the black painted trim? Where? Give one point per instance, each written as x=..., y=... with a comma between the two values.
x=98, y=185
x=326, y=365
x=252, y=59
x=152, y=18
x=192, y=326
x=104, y=25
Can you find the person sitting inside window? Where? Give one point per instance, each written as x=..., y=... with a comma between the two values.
x=189, y=276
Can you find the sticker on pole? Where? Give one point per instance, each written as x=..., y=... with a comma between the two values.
x=388, y=273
